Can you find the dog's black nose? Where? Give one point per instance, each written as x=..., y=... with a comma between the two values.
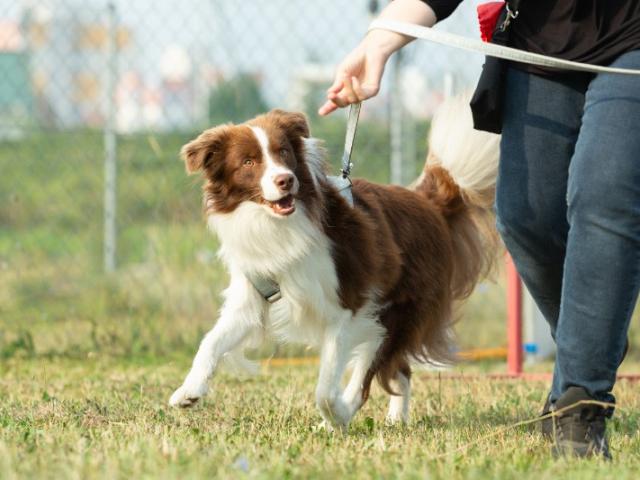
x=284, y=181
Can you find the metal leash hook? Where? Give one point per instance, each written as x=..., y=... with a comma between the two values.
x=343, y=182
x=511, y=15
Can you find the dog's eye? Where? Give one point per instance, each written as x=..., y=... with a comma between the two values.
x=284, y=153
x=248, y=162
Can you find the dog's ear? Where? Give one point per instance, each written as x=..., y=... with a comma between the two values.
x=294, y=123
x=198, y=152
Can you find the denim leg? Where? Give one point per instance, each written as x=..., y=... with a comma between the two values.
x=602, y=263
x=542, y=120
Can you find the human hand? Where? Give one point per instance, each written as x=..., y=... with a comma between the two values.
x=358, y=76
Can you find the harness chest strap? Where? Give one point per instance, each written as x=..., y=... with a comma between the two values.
x=268, y=288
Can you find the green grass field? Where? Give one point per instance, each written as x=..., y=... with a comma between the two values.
x=106, y=418
x=88, y=360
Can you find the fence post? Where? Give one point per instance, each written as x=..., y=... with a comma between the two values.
x=514, y=320
x=110, y=143
x=396, y=122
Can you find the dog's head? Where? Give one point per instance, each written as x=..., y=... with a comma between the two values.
x=261, y=161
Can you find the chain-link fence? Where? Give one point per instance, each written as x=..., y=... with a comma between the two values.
x=102, y=243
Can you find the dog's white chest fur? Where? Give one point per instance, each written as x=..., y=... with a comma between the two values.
x=309, y=298
x=296, y=254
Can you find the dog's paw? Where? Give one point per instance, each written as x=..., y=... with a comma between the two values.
x=188, y=395
x=394, y=418
x=335, y=413
x=323, y=426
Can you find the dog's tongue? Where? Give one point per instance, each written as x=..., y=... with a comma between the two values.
x=284, y=205
x=285, y=202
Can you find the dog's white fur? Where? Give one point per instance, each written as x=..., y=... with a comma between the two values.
x=270, y=190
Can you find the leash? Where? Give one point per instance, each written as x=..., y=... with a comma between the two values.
x=490, y=49
x=342, y=182
x=352, y=126
x=269, y=288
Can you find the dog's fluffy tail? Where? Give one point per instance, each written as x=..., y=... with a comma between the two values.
x=460, y=177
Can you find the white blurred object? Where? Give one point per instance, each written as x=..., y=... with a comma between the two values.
x=416, y=91
x=537, y=342
x=175, y=65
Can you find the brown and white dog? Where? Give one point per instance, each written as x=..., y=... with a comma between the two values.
x=373, y=284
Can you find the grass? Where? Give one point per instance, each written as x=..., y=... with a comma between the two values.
x=107, y=418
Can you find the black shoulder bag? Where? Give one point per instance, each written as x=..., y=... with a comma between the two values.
x=488, y=99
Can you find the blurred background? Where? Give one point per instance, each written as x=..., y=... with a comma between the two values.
x=103, y=246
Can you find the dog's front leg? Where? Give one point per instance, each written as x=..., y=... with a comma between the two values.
x=334, y=357
x=363, y=357
x=240, y=315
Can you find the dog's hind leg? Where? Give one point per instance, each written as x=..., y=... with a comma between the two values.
x=399, y=404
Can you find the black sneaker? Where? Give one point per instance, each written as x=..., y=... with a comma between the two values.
x=546, y=424
x=579, y=428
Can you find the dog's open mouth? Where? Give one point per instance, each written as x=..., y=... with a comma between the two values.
x=285, y=206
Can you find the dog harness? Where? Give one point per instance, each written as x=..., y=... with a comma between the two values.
x=269, y=288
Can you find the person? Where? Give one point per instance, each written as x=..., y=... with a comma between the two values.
x=568, y=189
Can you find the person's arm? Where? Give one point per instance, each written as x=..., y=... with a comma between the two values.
x=358, y=76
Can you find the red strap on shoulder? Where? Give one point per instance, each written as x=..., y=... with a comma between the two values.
x=488, y=14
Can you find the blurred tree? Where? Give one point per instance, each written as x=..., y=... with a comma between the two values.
x=236, y=100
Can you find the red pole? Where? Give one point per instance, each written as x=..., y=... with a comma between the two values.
x=514, y=320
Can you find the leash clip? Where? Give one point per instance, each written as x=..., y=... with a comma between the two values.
x=347, y=172
x=510, y=16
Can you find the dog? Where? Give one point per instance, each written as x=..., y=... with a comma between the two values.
x=373, y=285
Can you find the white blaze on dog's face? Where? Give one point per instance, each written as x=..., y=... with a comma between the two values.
x=278, y=182
x=261, y=161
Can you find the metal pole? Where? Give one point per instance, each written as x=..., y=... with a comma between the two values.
x=396, y=120
x=410, y=143
x=514, y=320
x=25, y=29
x=110, y=145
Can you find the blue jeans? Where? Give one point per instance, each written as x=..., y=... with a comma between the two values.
x=568, y=208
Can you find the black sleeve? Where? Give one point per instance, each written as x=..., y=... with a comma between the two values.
x=443, y=8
